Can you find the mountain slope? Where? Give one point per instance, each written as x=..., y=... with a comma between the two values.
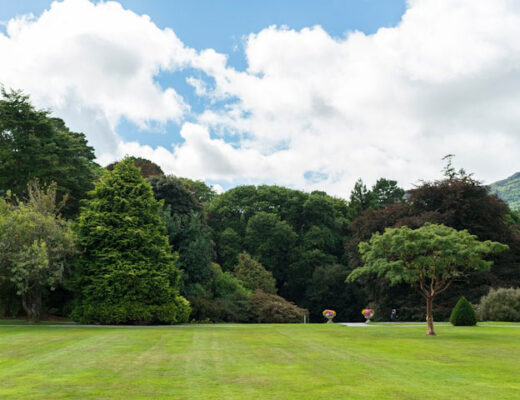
x=508, y=190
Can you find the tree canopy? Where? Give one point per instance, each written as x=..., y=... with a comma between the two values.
x=35, y=145
x=383, y=193
x=36, y=246
x=253, y=274
x=147, y=168
x=187, y=230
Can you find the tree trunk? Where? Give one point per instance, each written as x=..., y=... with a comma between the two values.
x=429, y=316
x=32, y=304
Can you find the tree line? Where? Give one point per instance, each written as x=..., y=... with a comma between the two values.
x=129, y=244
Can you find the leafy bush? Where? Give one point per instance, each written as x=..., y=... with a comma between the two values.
x=226, y=285
x=268, y=307
x=175, y=312
x=500, y=305
x=463, y=314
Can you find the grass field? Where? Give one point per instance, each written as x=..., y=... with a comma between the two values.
x=259, y=362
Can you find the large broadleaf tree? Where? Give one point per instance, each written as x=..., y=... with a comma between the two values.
x=34, y=145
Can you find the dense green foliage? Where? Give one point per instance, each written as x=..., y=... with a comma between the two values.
x=202, y=192
x=327, y=289
x=291, y=233
x=224, y=299
x=508, y=190
x=126, y=272
x=457, y=201
x=214, y=295
x=429, y=259
x=463, y=314
x=500, y=305
x=254, y=275
x=34, y=145
x=383, y=193
x=280, y=361
x=36, y=245
x=187, y=230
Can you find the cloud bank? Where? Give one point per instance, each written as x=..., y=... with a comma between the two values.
x=311, y=111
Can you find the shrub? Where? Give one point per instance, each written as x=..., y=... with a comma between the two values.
x=175, y=312
x=268, y=307
x=463, y=314
x=500, y=305
x=226, y=285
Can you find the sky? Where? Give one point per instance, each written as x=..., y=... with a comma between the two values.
x=306, y=94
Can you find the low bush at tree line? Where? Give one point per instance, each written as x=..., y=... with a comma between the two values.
x=500, y=305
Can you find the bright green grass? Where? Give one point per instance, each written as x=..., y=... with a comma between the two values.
x=259, y=362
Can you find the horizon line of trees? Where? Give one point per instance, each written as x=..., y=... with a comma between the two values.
x=128, y=244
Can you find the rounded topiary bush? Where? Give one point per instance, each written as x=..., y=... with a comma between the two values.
x=463, y=314
x=500, y=305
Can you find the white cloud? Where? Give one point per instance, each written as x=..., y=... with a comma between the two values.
x=201, y=157
x=445, y=80
x=94, y=63
x=311, y=111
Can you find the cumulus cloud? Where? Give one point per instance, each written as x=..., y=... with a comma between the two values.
x=445, y=80
x=201, y=157
x=311, y=111
x=96, y=61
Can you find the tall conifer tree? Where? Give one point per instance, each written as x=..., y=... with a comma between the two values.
x=127, y=272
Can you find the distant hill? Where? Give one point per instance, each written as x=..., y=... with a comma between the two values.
x=508, y=190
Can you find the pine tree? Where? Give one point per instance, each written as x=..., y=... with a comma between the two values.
x=127, y=272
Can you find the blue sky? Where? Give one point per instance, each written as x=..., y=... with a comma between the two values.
x=315, y=106
x=221, y=24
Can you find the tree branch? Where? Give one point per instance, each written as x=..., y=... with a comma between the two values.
x=446, y=286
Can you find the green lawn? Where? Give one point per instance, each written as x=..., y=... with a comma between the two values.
x=259, y=362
